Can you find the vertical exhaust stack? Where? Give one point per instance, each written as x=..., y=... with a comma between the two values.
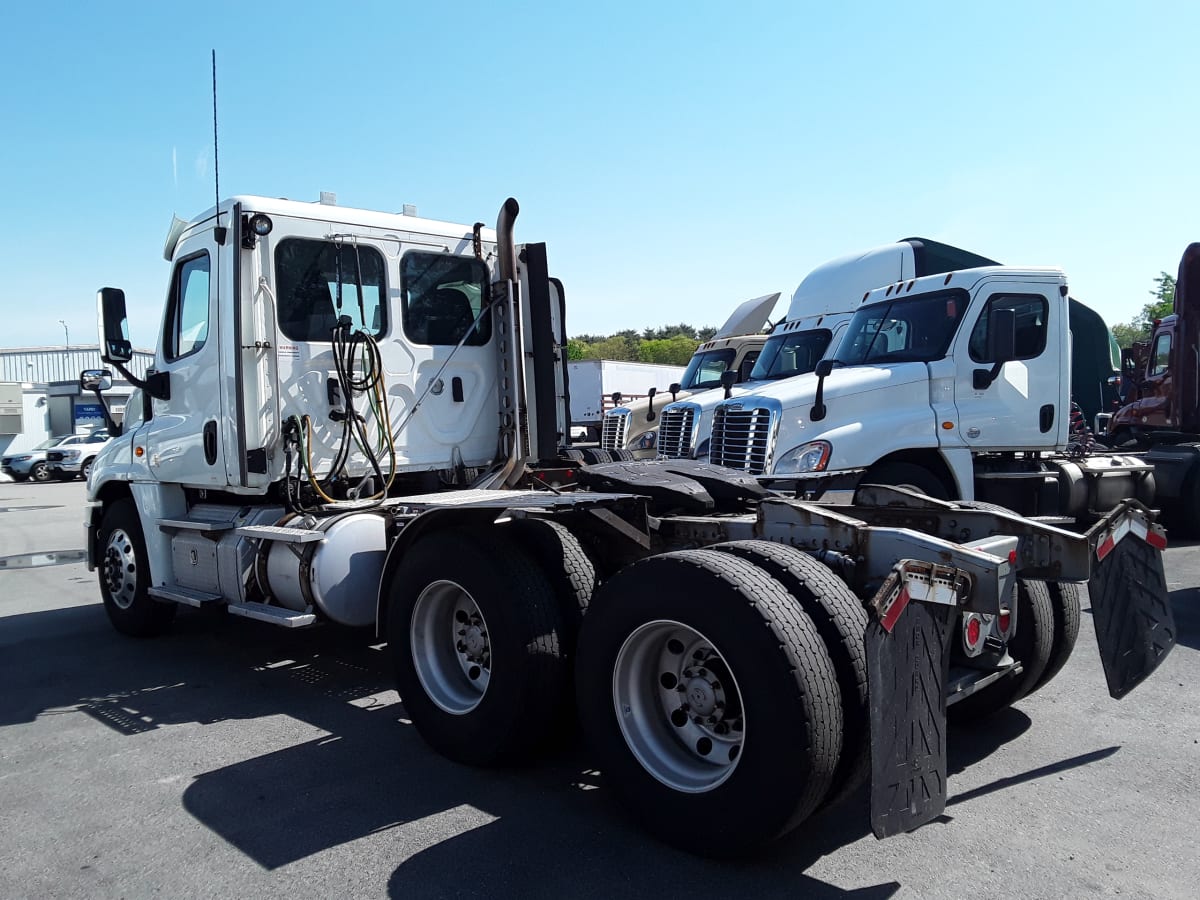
x=510, y=451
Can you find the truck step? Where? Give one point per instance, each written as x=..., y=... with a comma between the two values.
x=186, y=596
x=281, y=533
x=276, y=615
x=193, y=525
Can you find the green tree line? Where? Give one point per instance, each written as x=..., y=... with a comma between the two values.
x=1162, y=304
x=668, y=345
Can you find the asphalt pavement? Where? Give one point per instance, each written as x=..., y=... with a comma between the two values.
x=234, y=759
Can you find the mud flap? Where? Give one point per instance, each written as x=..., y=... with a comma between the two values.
x=908, y=660
x=1131, y=610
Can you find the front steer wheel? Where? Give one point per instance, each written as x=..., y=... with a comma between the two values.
x=124, y=572
x=710, y=701
x=476, y=635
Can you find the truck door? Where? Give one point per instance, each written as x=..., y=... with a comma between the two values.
x=183, y=436
x=1023, y=407
x=1155, y=390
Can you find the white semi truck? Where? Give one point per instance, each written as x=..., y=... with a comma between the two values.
x=819, y=311
x=631, y=428
x=352, y=419
x=957, y=385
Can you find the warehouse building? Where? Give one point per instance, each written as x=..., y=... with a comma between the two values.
x=40, y=395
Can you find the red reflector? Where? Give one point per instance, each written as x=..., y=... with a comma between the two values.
x=1105, y=548
x=570, y=473
x=974, y=630
x=888, y=622
x=1005, y=621
x=1012, y=556
x=1156, y=540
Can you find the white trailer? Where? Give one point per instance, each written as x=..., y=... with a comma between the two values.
x=593, y=382
x=351, y=420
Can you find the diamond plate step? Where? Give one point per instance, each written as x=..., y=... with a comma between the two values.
x=276, y=615
x=281, y=533
x=186, y=596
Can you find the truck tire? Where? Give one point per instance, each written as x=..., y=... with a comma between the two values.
x=566, y=565
x=709, y=699
x=595, y=456
x=1065, y=604
x=907, y=475
x=621, y=454
x=572, y=454
x=1031, y=646
x=460, y=601
x=124, y=573
x=841, y=620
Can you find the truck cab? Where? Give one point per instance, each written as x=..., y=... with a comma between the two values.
x=956, y=385
x=633, y=426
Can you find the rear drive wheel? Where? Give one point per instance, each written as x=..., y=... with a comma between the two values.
x=1030, y=645
x=841, y=620
x=572, y=454
x=709, y=699
x=620, y=454
x=124, y=572
x=476, y=638
x=1065, y=604
x=596, y=455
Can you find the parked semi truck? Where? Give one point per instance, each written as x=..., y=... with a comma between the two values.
x=347, y=423
x=1161, y=409
x=818, y=314
x=632, y=425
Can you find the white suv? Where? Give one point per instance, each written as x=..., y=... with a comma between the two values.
x=69, y=461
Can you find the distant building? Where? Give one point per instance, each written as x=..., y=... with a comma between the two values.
x=40, y=395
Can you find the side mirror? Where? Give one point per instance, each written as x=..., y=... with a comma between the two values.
x=616, y=398
x=114, y=326
x=95, y=380
x=1002, y=335
x=651, y=415
x=823, y=367
x=728, y=380
x=674, y=388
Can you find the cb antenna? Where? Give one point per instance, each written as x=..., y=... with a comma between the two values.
x=216, y=163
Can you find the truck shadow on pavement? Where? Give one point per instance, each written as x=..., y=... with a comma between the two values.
x=546, y=830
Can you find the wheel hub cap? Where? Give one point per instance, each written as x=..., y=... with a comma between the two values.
x=119, y=569
x=451, y=650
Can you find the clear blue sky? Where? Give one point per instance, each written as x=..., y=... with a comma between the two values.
x=677, y=157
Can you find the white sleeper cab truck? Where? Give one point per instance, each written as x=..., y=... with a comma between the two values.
x=352, y=420
x=958, y=386
x=630, y=430
x=817, y=316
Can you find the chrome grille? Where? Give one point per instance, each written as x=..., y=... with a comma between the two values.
x=675, y=426
x=742, y=438
x=55, y=456
x=616, y=425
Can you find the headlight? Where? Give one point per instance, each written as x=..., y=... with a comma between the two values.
x=645, y=441
x=22, y=458
x=70, y=454
x=810, y=457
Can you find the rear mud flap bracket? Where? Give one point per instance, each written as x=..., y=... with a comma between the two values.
x=908, y=660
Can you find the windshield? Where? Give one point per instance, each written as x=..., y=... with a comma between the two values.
x=48, y=443
x=704, y=371
x=912, y=329
x=791, y=354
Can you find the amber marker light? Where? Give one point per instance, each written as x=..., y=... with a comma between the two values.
x=138, y=451
x=946, y=426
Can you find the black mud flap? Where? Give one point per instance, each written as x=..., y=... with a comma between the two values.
x=1135, y=627
x=908, y=661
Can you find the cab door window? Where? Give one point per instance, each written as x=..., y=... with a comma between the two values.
x=1030, y=311
x=1162, y=355
x=187, y=308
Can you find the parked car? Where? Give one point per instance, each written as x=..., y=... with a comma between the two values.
x=69, y=461
x=33, y=463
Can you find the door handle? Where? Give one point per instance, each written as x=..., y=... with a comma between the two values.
x=210, y=442
x=1046, y=417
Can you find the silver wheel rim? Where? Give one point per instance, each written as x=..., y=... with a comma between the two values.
x=451, y=649
x=119, y=568
x=679, y=706
x=41, y=472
